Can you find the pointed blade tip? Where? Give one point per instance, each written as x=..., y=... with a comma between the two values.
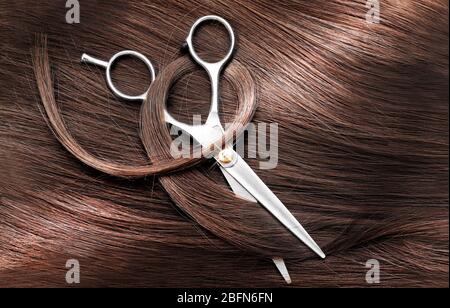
x=320, y=253
x=281, y=266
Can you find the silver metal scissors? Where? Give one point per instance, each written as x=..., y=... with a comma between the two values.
x=244, y=182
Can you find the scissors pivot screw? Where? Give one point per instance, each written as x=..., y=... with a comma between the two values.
x=226, y=156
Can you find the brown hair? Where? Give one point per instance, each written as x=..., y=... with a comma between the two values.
x=363, y=145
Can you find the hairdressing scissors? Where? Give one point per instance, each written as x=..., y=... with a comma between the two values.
x=244, y=182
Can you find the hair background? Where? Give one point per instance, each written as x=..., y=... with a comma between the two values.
x=363, y=146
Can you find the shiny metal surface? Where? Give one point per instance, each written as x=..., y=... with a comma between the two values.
x=244, y=182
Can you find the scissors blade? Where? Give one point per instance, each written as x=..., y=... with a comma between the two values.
x=248, y=179
x=244, y=194
x=237, y=188
x=198, y=133
x=281, y=266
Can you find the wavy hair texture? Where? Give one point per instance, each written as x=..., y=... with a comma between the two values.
x=363, y=144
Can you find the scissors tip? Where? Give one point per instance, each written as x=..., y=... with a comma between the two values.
x=319, y=251
x=281, y=266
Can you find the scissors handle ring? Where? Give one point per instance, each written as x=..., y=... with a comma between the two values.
x=110, y=64
x=189, y=40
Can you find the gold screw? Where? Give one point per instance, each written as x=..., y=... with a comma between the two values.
x=226, y=156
